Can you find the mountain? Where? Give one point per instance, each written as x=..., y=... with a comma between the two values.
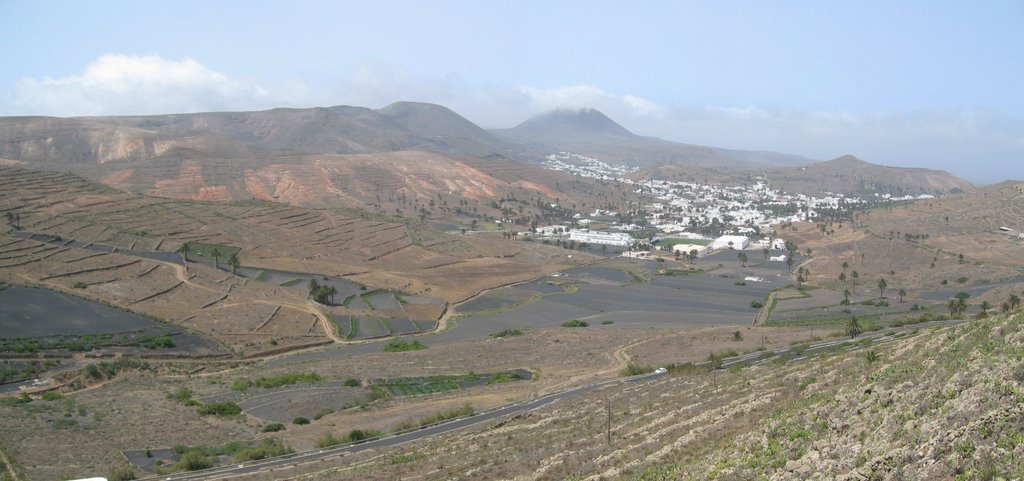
x=850, y=175
x=339, y=130
x=570, y=125
x=590, y=132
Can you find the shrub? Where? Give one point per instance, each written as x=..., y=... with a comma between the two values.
x=51, y=396
x=883, y=303
x=507, y=333
x=756, y=304
x=194, y=461
x=322, y=413
x=961, y=279
x=739, y=283
x=503, y=377
x=329, y=440
x=122, y=473
x=300, y=421
x=607, y=323
x=399, y=345
x=684, y=368
x=575, y=323
x=352, y=382
x=737, y=336
x=82, y=285
x=632, y=369
x=360, y=435
x=272, y=428
x=220, y=409
x=446, y=415
x=268, y=448
x=182, y=394
x=153, y=342
x=275, y=381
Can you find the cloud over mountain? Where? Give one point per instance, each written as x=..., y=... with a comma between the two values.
x=135, y=84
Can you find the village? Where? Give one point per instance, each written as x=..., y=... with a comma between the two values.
x=691, y=219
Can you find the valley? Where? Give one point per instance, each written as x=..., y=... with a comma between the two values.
x=315, y=293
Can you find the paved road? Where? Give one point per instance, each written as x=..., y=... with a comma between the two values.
x=397, y=439
x=753, y=358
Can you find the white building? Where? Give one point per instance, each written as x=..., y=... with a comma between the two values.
x=737, y=242
x=597, y=237
x=778, y=258
x=686, y=248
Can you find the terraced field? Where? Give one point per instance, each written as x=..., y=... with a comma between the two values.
x=272, y=236
x=119, y=248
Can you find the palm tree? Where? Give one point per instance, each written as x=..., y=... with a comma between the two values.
x=1014, y=301
x=842, y=277
x=901, y=293
x=331, y=291
x=953, y=308
x=846, y=295
x=233, y=262
x=215, y=253
x=985, y=306
x=185, y=250
x=800, y=280
x=961, y=306
x=743, y=258
x=855, y=275
x=1006, y=307
x=846, y=265
x=693, y=255
x=765, y=252
x=10, y=219
x=853, y=327
x=871, y=356
x=961, y=257
x=881, y=287
x=313, y=288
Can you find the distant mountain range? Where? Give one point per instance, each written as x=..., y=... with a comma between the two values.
x=850, y=175
x=320, y=155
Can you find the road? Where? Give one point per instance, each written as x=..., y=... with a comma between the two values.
x=510, y=410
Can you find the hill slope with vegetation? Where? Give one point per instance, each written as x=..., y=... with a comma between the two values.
x=934, y=403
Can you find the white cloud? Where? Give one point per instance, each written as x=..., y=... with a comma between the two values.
x=582, y=96
x=116, y=84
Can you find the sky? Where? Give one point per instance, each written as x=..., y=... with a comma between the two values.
x=921, y=84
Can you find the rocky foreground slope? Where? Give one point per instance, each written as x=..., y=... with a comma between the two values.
x=935, y=404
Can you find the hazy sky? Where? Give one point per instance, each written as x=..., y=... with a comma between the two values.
x=931, y=83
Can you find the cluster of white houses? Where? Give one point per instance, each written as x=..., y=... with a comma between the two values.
x=683, y=245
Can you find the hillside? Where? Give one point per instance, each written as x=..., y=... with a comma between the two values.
x=122, y=247
x=850, y=175
x=940, y=403
x=408, y=158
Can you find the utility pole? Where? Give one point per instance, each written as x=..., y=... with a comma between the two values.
x=608, y=424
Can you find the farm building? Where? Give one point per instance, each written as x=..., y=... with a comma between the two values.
x=778, y=258
x=731, y=242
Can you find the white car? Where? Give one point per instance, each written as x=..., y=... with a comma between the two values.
x=660, y=370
